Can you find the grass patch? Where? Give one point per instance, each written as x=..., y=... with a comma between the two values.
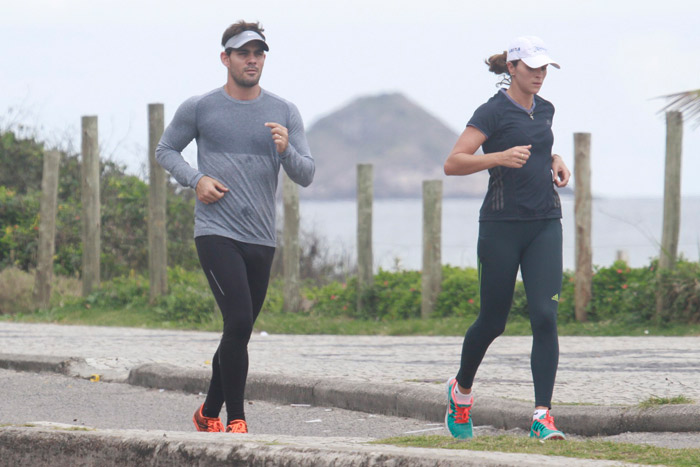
x=76, y=312
x=586, y=449
x=393, y=307
x=130, y=316
x=654, y=401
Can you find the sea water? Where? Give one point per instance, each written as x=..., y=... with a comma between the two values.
x=632, y=226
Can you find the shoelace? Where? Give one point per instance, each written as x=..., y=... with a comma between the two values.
x=237, y=426
x=214, y=424
x=548, y=421
x=462, y=413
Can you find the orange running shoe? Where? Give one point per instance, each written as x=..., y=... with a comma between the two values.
x=209, y=424
x=237, y=426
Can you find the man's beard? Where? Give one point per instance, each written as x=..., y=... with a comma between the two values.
x=245, y=82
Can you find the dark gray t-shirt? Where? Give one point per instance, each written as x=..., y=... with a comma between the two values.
x=526, y=193
x=236, y=148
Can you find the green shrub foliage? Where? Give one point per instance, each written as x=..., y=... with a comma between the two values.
x=620, y=293
x=124, y=211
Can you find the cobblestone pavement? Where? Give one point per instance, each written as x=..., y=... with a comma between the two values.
x=594, y=370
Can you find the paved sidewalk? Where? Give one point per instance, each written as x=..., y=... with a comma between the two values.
x=592, y=370
x=407, y=376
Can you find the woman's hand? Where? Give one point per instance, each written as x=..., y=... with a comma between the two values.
x=560, y=171
x=515, y=157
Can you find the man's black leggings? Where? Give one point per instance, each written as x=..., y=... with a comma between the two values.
x=238, y=275
x=535, y=247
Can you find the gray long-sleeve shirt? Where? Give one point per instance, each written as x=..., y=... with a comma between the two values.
x=236, y=148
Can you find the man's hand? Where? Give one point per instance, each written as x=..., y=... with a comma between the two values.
x=560, y=171
x=210, y=190
x=280, y=136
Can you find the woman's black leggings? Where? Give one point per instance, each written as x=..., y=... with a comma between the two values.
x=535, y=247
x=238, y=275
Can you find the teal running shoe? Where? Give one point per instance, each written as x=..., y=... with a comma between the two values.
x=458, y=419
x=543, y=428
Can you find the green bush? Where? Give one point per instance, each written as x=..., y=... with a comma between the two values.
x=619, y=288
x=274, y=300
x=124, y=210
x=460, y=293
x=682, y=293
x=335, y=299
x=15, y=291
x=19, y=226
x=394, y=295
x=121, y=292
x=189, y=298
x=618, y=292
x=626, y=295
x=621, y=296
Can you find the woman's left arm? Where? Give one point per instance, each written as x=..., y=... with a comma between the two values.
x=560, y=170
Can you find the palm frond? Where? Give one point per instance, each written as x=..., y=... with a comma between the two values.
x=687, y=102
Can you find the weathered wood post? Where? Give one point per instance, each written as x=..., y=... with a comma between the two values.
x=47, y=229
x=622, y=255
x=432, y=245
x=582, y=212
x=91, y=205
x=157, y=200
x=672, y=190
x=291, y=253
x=365, y=194
x=672, y=201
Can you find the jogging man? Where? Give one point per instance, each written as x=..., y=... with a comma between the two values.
x=244, y=134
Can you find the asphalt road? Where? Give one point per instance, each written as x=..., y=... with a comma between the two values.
x=33, y=397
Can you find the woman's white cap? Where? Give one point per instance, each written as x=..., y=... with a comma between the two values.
x=531, y=50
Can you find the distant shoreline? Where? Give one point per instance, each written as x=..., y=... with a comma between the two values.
x=566, y=194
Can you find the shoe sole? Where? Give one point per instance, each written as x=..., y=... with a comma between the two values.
x=447, y=411
x=552, y=437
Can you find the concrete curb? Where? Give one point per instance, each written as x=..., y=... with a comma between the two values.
x=38, y=363
x=64, y=445
x=427, y=403
x=421, y=402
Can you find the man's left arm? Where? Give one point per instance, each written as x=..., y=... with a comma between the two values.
x=293, y=149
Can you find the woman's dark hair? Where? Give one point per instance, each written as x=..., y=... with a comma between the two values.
x=498, y=64
x=239, y=27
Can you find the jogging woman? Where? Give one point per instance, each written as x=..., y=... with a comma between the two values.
x=519, y=226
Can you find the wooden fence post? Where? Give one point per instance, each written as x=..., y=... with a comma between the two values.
x=672, y=190
x=91, y=205
x=582, y=212
x=157, y=201
x=622, y=255
x=432, y=245
x=291, y=253
x=365, y=194
x=47, y=229
x=672, y=201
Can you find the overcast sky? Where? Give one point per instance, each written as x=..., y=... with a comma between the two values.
x=62, y=59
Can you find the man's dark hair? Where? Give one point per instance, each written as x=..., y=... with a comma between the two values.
x=237, y=28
